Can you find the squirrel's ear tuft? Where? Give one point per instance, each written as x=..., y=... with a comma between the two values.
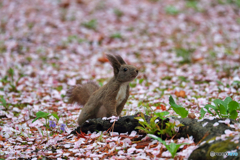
x=119, y=58
x=115, y=64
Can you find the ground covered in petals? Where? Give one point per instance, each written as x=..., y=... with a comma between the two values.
x=185, y=48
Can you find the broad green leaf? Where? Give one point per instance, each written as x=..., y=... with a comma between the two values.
x=210, y=106
x=233, y=114
x=171, y=100
x=202, y=112
x=233, y=105
x=132, y=85
x=55, y=115
x=173, y=147
x=177, y=108
x=222, y=110
x=227, y=100
x=217, y=102
x=42, y=114
x=140, y=81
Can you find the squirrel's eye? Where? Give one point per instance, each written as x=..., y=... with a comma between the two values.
x=125, y=69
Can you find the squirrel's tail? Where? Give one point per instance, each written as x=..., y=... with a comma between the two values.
x=81, y=93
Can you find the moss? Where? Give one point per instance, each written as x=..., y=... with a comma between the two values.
x=221, y=146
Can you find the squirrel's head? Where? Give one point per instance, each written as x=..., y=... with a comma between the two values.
x=122, y=71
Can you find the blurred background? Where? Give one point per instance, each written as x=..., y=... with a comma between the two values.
x=191, y=46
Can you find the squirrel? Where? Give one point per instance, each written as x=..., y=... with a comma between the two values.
x=108, y=100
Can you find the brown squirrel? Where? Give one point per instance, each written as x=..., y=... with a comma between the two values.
x=108, y=100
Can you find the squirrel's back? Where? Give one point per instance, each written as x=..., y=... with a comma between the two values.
x=81, y=93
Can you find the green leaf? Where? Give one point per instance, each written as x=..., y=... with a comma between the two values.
x=173, y=147
x=207, y=106
x=41, y=114
x=233, y=114
x=222, y=110
x=152, y=120
x=140, y=81
x=144, y=122
x=132, y=85
x=202, y=112
x=92, y=24
x=4, y=103
x=227, y=100
x=157, y=138
x=11, y=72
x=116, y=35
x=35, y=119
x=236, y=83
x=172, y=10
x=220, y=83
x=233, y=105
x=217, y=102
x=118, y=12
x=171, y=101
x=177, y=108
x=141, y=128
x=162, y=114
x=55, y=115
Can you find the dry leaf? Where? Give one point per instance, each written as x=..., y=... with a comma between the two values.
x=191, y=115
x=103, y=59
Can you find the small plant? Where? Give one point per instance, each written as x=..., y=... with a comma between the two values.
x=134, y=83
x=118, y=13
x=92, y=24
x=9, y=79
x=177, y=108
x=150, y=128
x=100, y=138
x=185, y=54
x=4, y=103
x=236, y=84
x=116, y=36
x=192, y=4
x=48, y=123
x=224, y=109
x=172, y=10
x=154, y=127
x=234, y=2
x=169, y=129
x=172, y=147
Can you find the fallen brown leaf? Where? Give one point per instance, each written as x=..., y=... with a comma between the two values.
x=103, y=59
x=180, y=93
x=191, y=115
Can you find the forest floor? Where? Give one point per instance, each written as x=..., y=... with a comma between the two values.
x=185, y=48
